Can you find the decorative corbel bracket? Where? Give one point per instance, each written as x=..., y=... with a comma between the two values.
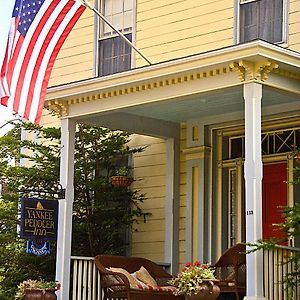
x=248, y=70
x=60, y=107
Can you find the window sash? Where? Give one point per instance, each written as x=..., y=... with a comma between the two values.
x=114, y=55
x=262, y=19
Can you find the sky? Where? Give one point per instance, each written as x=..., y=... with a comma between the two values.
x=6, y=7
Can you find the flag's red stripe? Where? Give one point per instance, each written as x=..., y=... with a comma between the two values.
x=13, y=51
x=52, y=60
x=37, y=66
x=13, y=60
x=27, y=57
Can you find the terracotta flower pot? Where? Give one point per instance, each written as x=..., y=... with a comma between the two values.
x=121, y=181
x=208, y=291
x=40, y=294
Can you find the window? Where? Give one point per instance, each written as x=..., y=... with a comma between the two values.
x=114, y=52
x=262, y=19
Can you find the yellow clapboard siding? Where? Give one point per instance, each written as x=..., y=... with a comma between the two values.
x=190, y=42
x=149, y=171
x=145, y=248
x=57, y=80
x=147, y=5
x=150, y=159
x=77, y=50
x=180, y=26
x=153, y=236
x=188, y=33
x=294, y=17
x=151, y=224
x=154, y=192
x=185, y=51
x=73, y=68
x=294, y=5
x=182, y=10
x=86, y=38
x=153, y=257
x=149, y=182
x=157, y=202
x=142, y=140
x=157, y=214
x=72, y=60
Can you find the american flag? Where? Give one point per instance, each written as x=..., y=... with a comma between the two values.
x=38, y=30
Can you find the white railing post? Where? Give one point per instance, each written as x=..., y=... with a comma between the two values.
x=86, y=279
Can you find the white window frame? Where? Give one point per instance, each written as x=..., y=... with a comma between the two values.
x=98, y=37
x=284, y=21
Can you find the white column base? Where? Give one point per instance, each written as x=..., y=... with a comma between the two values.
x=254, y=298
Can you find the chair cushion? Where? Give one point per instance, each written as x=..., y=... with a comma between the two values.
x=132, y=281
x=143, y=275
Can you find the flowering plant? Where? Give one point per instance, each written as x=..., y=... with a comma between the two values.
x=36, y=284
x=189, y=281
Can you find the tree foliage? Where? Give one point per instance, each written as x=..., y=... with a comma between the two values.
x=102, y=214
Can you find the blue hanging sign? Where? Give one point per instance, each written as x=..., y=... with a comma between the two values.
x=39, y=219
x=39, y=250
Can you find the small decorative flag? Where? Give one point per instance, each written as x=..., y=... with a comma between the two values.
x=38, y=30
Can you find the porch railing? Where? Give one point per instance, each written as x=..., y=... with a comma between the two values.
x=85, y=279
x=277, y=264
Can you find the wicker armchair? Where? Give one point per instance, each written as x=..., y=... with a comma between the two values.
x=116, y=286
x=231, y=271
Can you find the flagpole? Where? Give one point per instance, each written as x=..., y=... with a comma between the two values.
x=116, y=30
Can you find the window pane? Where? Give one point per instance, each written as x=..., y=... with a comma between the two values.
x=118, y=21
x=261, y=19
x=115, y=55
x=249, y=22
x=128, y=5
x=127, y=20
x=117, y=6
x=107, y=7
x=266, y=24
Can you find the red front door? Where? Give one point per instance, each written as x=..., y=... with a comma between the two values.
x=274, y=188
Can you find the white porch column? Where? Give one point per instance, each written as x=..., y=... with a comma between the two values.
x=253, y=186
x=63, y=256
x=172, y=204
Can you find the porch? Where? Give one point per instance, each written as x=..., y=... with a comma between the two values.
x=194, y=98
x=85, y=280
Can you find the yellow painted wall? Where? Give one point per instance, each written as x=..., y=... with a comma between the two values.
x=149, y=175
x=170, y=29
x=75, y=60
x=294, y=25
x=165, y=30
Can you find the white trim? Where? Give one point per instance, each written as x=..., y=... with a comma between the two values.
x=96, y=42
x=172, y=204
x=253, y=187
x=63, y=252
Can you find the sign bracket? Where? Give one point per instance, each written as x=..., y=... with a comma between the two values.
x=61, y=192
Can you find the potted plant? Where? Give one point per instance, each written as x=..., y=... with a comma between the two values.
x=121, y=177
x=37, y=290
x=196, y=282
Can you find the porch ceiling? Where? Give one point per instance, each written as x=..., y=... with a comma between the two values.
x=215, y=103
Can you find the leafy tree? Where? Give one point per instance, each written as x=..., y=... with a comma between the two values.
x=102, y=214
